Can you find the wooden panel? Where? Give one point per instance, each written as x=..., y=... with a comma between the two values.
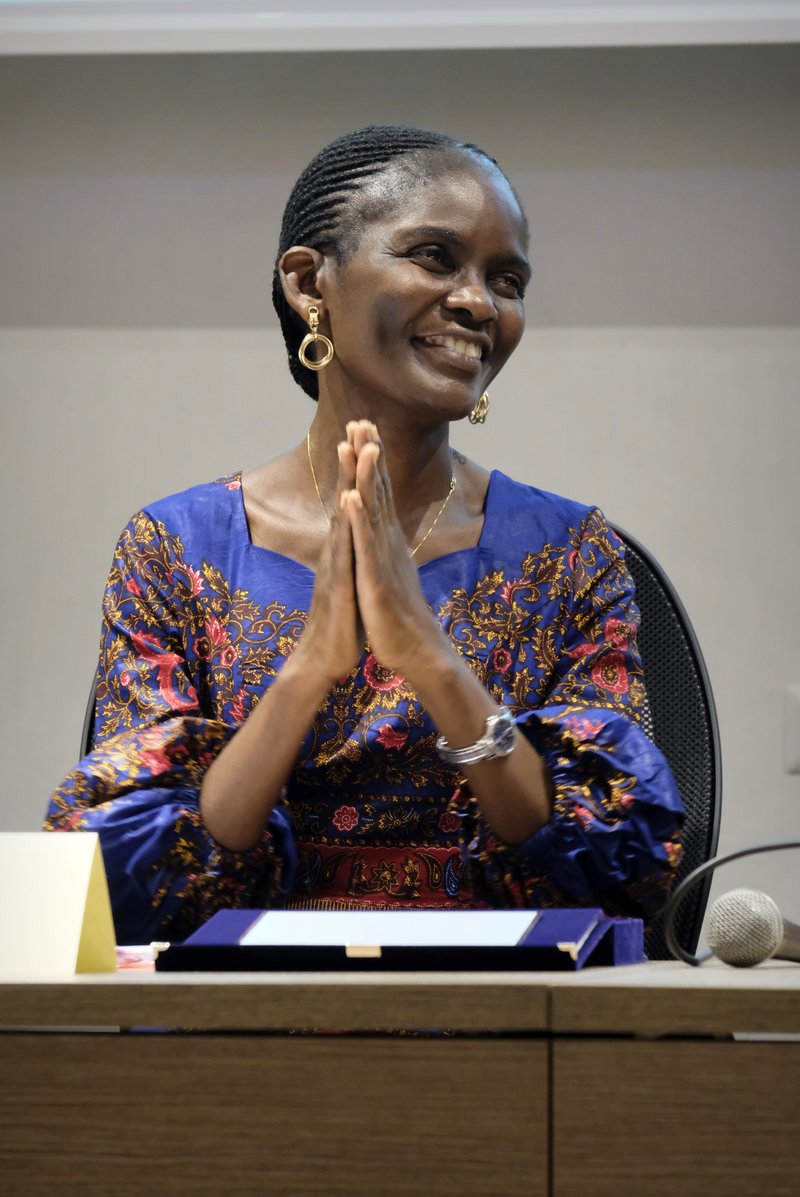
x=670, y=998
x=288, y=1116
x=283, y=1001
x=700, y=1119
x=662, y=998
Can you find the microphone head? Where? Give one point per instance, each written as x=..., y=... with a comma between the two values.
x=744, y=927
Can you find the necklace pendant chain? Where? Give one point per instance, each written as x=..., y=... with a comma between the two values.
x=436, y=518
x=314, y=477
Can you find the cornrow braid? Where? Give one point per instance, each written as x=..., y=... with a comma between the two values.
x=320, y=210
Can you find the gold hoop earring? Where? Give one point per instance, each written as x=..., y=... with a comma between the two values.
x=480, y=410
x=310, y=338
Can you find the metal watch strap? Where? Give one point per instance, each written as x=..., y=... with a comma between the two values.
x=498, y=739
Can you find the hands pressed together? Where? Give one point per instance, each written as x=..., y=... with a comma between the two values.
x=367, y=593
x=367, y=590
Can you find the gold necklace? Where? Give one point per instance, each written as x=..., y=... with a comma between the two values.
x=437, y=517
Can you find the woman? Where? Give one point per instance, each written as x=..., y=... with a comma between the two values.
x=369, y=672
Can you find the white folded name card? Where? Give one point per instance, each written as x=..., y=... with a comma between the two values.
x=55, y=914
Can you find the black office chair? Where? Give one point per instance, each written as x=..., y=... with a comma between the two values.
x=87, y=733
x=682, y=722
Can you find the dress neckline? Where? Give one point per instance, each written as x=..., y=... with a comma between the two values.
x=243, y=525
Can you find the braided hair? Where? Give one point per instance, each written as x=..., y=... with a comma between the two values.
x=322, y=213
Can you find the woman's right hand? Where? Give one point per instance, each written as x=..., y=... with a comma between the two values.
x=333, y=640
x=245, y=781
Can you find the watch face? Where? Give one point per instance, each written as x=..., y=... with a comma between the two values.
x=504, y=733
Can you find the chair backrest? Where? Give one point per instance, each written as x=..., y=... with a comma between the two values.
x=87, y=734
x=682, y=722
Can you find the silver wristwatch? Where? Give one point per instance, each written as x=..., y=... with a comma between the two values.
x=498, y=739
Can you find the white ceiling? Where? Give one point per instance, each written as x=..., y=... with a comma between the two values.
x=157, y=26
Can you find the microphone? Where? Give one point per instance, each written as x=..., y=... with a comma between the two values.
x=688, y=882
x=746, y=927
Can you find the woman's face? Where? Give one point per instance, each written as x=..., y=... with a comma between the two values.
x=429, y=307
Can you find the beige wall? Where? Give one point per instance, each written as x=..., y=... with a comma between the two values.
x=659, y=377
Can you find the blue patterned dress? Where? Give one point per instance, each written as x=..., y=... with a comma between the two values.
x=197, y=622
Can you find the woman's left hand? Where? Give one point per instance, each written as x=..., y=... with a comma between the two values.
x=514, y=792
x=399, y=625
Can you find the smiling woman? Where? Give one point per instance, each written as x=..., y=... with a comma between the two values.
x=369, y=671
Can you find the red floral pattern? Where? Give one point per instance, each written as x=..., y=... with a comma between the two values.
x=619, y=632
x=346, y=818
x=379, y=677
x=502, y=660
x=610, y=673
x=370, y=816
x=388, y=737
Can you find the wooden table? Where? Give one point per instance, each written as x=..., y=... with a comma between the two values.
x=613, y=1081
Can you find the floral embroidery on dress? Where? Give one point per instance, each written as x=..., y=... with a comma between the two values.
x=196, y=626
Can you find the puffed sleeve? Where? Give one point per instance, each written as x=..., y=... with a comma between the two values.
x=155, y=737
x=613, y=838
